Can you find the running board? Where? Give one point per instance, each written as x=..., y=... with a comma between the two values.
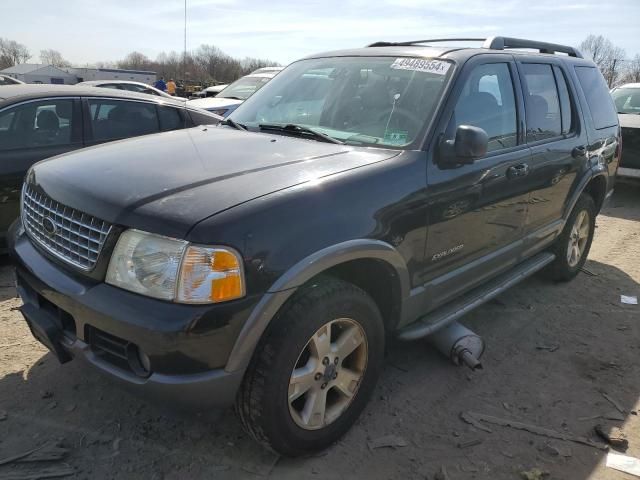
x=444, y=315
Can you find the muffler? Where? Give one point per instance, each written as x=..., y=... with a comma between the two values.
x=459, y=344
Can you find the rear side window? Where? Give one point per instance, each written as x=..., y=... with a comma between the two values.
x=600, y=104
x=202, y=119
x=542, y=102
x=112, y=119
x=170, y=119
x=487, y=101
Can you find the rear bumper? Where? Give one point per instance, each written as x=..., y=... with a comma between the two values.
x=187, y=346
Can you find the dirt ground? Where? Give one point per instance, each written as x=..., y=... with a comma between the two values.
x=551, y=352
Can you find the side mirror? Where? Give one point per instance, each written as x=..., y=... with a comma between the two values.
x=470, y=143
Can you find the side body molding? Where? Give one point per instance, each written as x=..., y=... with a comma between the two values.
x=302, y=272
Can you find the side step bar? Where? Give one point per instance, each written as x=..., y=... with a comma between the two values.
x=444, y=315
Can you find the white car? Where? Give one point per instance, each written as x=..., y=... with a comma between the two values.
x=210, y=91
x=627, y=100
x=231, y=97
x=128, y=85
x=5, y=80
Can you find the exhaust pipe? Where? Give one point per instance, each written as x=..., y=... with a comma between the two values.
x=459, y=344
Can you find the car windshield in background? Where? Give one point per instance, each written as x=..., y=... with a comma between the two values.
x=627, y=100
x=377, y=101
x=243, y=88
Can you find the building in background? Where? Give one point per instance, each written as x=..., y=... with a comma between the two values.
x=87, y=74
x=38, y=73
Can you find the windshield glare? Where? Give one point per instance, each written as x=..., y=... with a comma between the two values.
x=627, y=100
x=243, y=88
x=377, y=101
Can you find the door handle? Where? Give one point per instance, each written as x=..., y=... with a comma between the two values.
x=579, y=152
x=518, y=170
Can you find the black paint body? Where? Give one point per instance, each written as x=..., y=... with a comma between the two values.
x=294, y=207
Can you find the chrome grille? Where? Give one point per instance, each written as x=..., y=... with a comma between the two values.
x=77, y=237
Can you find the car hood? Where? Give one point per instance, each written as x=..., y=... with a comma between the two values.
x=629, y=120
x=213, y=103
x=168, y=182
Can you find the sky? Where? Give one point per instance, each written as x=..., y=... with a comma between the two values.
x=88, y=31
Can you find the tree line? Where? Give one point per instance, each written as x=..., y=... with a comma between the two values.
x=208, y=65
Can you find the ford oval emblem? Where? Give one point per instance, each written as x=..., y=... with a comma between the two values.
x=49, y=227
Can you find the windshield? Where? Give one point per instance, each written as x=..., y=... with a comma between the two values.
x=243, y=88
x=377, y=101
x=627, y=100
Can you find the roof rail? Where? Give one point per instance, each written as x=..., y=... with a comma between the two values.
x=493, y=43
x=418, y=42
x=501, y=43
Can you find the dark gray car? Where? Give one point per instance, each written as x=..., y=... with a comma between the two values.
x=40, y=121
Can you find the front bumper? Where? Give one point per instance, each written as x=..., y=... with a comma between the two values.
x=186, y=346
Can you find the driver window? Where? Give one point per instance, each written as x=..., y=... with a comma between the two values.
x=487, y=101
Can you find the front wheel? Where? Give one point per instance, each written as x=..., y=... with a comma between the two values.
x=573, y=245
x=315, y=369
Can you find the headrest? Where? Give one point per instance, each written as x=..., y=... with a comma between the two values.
x=47, y=120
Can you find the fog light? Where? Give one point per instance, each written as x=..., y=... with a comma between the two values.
x=139, y=362
x=145, y=363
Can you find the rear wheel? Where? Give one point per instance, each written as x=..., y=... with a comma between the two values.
x=573, y=245
x=315, y=369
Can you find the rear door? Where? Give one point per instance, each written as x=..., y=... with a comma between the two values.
x=477, y=211
x=29, y=132
x=558, y=143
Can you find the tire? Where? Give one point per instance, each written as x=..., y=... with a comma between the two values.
x=293, y=341
x=565, y=267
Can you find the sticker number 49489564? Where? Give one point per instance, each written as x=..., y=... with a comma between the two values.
x=421, y=65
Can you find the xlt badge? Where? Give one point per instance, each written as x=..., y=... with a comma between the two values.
x=446, y=253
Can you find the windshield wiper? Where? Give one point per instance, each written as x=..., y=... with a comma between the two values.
x=232, y=98
x=293, y=128
x=234, y=124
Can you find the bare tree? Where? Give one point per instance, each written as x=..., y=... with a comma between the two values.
x=632, y=70
x=12, y=53
x=135, y=61
x=605, y=55
x=53, y=58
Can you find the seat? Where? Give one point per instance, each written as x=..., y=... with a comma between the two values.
x=537, y=114
x=47, y=127
x=481, y=109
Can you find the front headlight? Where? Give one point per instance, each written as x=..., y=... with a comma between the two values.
x=171, y=269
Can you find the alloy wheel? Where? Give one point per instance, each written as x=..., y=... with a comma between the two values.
x=327, y=374
x=578, y=238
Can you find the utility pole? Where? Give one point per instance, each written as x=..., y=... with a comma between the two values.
x=184, y=53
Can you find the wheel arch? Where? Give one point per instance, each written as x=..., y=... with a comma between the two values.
x=595, y=185
x=357, y=261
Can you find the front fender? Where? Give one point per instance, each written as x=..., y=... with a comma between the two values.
x=298, y=275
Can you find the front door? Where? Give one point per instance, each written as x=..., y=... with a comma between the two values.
x=477, y=211
x=30, y=132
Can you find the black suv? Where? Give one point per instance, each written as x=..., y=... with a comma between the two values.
x=361, y=194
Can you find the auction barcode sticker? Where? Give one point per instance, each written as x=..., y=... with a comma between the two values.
x=421, y=65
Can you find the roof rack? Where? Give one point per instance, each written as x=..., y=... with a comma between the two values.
x=493, y=43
